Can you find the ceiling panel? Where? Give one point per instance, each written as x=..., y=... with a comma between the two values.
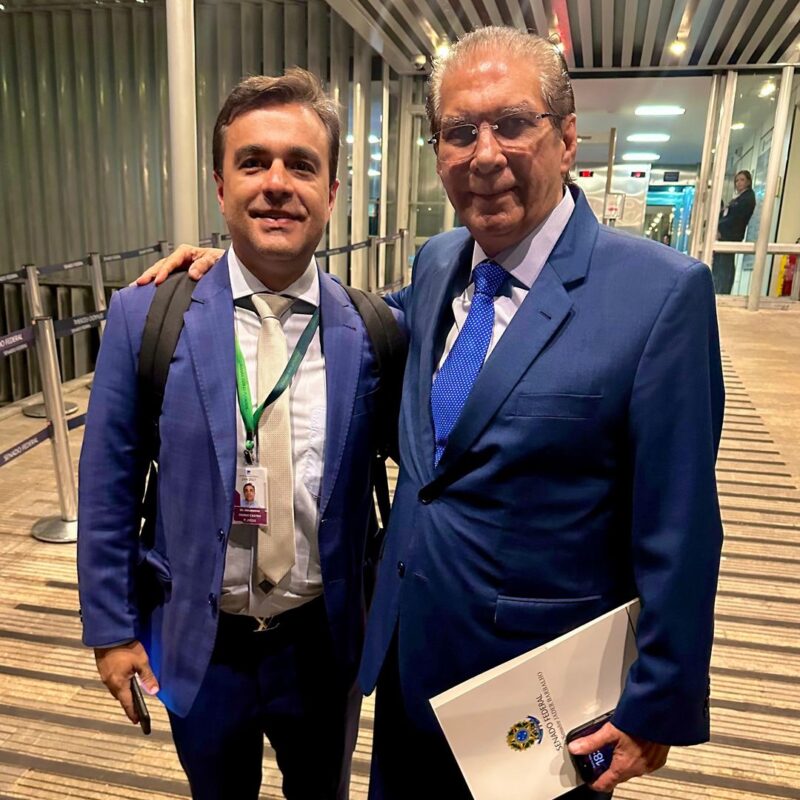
x=604, y=103
x=608, y=35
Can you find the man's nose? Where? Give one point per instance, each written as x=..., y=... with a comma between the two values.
x=488, y=153
x=276, y=180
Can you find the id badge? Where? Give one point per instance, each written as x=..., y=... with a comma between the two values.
x=250, y=496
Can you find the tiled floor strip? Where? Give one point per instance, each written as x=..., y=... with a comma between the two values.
x=61, y=735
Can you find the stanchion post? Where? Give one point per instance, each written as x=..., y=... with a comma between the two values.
x=98, y=286
x=163, y=248
x=65, y=527
x=372, y=264
x=215, y=240
x=404, y=256
x=39, y=410
x=34, y=291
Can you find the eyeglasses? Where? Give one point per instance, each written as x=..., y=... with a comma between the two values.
x=513, y=132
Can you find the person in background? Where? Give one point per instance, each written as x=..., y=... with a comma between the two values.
x=731, y=227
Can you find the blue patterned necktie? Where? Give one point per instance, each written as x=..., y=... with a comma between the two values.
x=462, y=365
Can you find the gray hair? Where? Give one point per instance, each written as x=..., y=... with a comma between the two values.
x=553, y=76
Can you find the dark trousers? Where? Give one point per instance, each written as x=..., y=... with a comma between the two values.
x=411, y=764
x=282, y=683
x=723, y=271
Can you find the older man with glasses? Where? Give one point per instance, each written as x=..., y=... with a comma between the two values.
x=560, y=421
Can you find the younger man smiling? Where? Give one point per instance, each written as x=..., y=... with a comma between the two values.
x=257, y=628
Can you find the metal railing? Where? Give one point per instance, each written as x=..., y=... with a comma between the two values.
x=44, y=331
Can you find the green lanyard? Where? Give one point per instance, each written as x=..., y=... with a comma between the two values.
x=250, y=414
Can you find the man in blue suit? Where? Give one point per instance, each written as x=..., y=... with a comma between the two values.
x=254, y=629
x=561, y=414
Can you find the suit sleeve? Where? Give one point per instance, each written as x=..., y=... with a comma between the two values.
x=401, y=299
x=111, y=482
x=675, y=424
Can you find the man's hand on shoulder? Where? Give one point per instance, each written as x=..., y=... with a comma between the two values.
x=117, y=665
x=198, y=260
x=632, y=756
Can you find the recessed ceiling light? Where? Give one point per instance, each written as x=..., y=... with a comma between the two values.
x=349, y=138
x=420, y=141
x=443, y=50
x=373, y=139
x=648, y=137
x=737, y=126
x=767, y=89
x=641, y=157
x=677, y=48
x=376, y=156
x=659, y=111
x=373, y=173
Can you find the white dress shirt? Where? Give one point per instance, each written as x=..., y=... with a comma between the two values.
x=307, y=403
x=524, y=261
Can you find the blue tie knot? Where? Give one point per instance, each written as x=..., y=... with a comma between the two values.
x=488, y=277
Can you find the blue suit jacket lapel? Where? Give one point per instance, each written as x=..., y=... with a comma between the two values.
x=210, y=330
x=449, y=283
x=541, y=314
x=342, y=346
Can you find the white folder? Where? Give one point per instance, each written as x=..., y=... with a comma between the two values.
x=507, y=726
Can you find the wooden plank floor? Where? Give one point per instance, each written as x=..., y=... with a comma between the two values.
x=61, y=734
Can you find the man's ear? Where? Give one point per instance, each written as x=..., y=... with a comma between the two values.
x=569, y=136
x=332, y=195
x=220, y=191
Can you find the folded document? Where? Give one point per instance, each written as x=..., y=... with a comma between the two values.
x=506, y=727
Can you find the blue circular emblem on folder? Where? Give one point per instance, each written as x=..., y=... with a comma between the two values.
x=525, y=734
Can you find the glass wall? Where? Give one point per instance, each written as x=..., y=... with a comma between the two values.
x=744, y=185
x=783, y=280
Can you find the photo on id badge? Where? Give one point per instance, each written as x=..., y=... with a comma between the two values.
x=250, y=496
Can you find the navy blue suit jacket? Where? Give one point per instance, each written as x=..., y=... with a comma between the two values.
x=196, y=482
x=579, y=475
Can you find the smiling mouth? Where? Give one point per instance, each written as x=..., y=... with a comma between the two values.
x=274, y=216
x=490, y=195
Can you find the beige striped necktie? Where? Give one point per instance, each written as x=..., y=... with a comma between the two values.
x=276, y=545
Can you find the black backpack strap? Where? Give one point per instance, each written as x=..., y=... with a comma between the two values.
x=162, y=330
x=389, y=346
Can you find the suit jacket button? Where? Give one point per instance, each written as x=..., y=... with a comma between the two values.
x=401, y=568
x=221, y=535
x=425, y=497
x=212, y=601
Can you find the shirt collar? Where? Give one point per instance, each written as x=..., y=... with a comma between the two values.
x=244, y=283
x=526, y=259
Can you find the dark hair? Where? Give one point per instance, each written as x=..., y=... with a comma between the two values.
x=746, y=173
x=296, y=85
x=251, y=485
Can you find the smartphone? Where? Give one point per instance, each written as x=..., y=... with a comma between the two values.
x=139, y=705
x=592, y=765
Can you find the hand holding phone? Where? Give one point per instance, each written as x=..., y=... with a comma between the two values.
x=140, y=706
x=601, y=745
x=592, y=765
